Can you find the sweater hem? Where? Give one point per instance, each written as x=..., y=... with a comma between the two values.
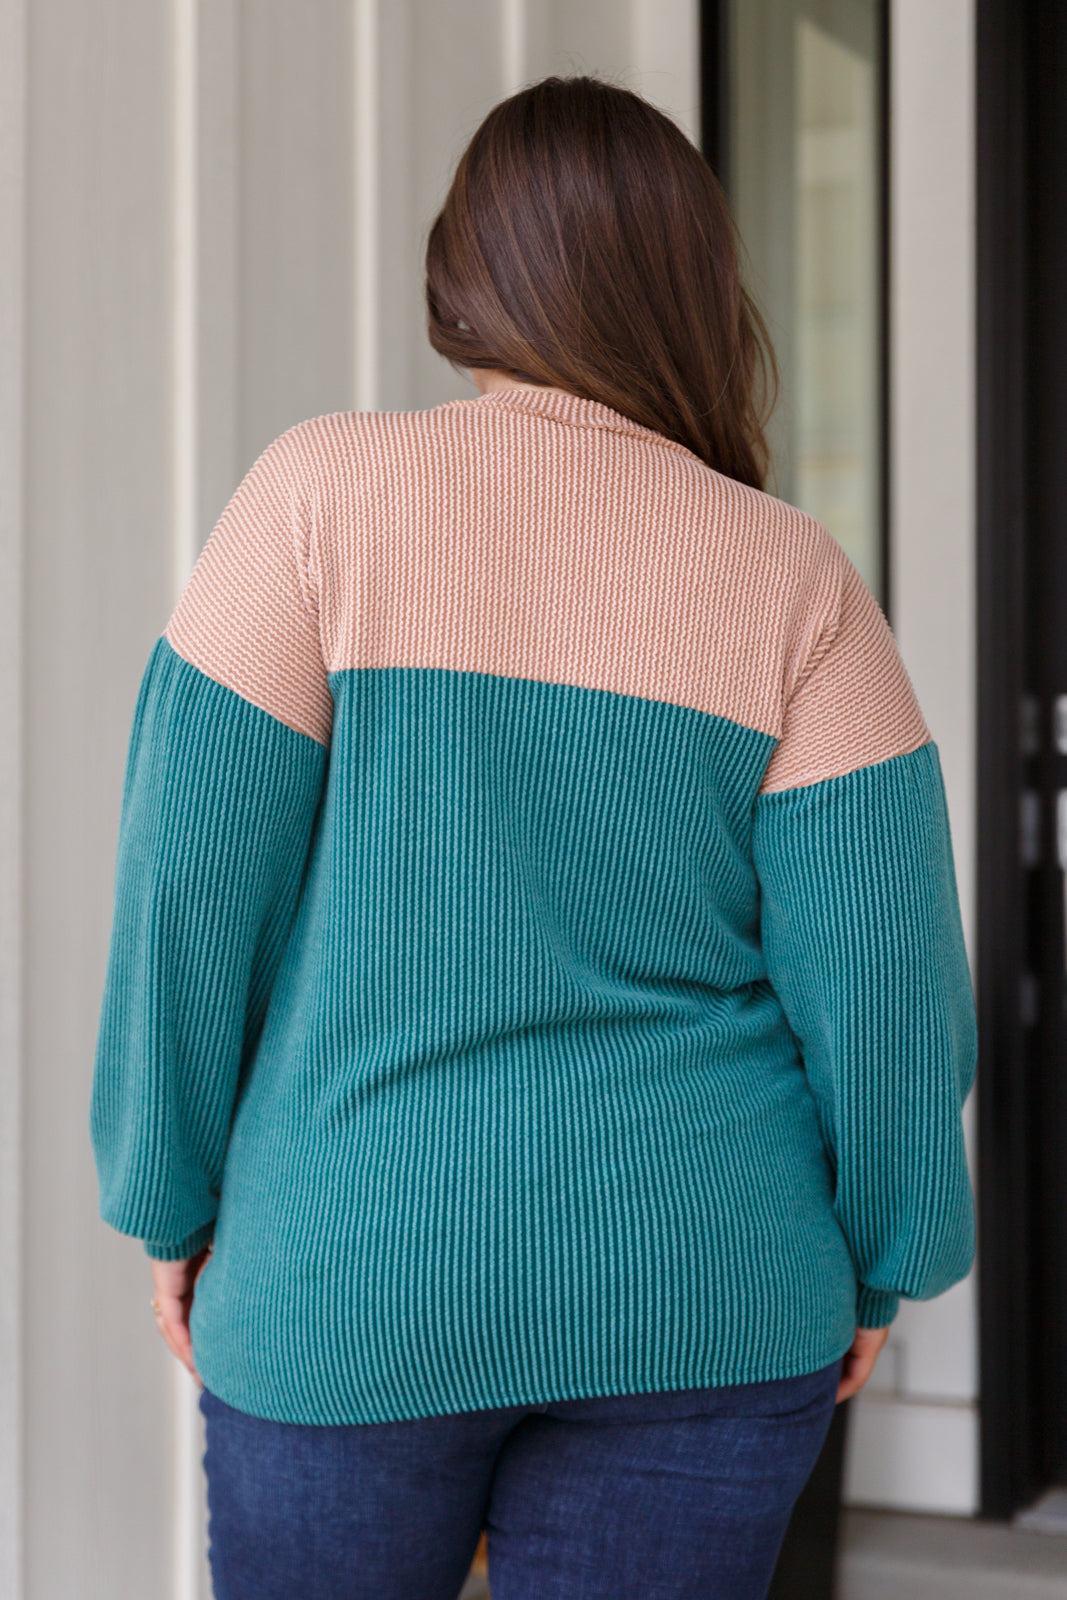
x=504, y=1399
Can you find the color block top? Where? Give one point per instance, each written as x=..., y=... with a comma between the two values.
x=536, y=960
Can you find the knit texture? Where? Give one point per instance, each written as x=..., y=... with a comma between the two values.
x=536, y=961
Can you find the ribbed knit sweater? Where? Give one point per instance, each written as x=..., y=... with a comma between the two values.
x=536, y=961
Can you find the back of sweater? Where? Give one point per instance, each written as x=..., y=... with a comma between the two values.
x=536, y=961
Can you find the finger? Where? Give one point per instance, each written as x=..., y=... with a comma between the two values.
x=849, y=1387
x=855, y=1375
x=177, y=1338
x=859, y=1360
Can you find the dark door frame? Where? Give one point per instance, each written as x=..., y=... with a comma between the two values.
x=1001, y=420
x=1021, y=413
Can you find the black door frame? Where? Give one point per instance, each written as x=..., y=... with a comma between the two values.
x=1000, y=438
x=1021, y=413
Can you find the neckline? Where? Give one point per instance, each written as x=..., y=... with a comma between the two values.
x=576, y=409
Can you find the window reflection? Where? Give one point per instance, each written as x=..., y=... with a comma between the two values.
x=804, y=177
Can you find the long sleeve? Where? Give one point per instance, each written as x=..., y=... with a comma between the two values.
x=864, y=945
x=225, y=771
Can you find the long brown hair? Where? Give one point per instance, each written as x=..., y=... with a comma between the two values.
x=586, y=244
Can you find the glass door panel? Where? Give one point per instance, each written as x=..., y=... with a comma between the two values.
x=804, y=171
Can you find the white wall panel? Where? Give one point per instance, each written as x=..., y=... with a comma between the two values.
x=295, y=161
x=913, y=1457
x=96, y=537
x=932, y=1348
x=12, y=812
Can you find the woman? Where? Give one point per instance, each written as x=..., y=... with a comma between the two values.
x=537, y=1016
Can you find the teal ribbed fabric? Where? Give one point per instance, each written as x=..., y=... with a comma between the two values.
x=217, y=803
x=580, y=1066
x=864, y=945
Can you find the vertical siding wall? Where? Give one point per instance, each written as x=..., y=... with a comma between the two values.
x=212, y=216
x=12, y=294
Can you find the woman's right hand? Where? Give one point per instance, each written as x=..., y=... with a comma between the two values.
x=859, y=1360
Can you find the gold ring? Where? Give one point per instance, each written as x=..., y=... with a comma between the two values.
x=155, y=1307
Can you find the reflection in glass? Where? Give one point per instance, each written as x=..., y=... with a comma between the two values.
x=803, y=173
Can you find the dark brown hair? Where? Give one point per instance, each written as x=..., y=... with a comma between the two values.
x=585, y=243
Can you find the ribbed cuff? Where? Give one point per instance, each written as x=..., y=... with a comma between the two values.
x=876, y=1308
x=184, y=1247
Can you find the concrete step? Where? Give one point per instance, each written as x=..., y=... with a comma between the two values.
x=887, y=1555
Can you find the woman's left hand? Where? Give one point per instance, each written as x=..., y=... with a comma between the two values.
x=173, y=1283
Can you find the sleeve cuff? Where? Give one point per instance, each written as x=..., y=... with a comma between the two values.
x=876, y=1308
x=183, y=1248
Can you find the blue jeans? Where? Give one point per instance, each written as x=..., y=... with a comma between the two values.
x=674, y=1494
